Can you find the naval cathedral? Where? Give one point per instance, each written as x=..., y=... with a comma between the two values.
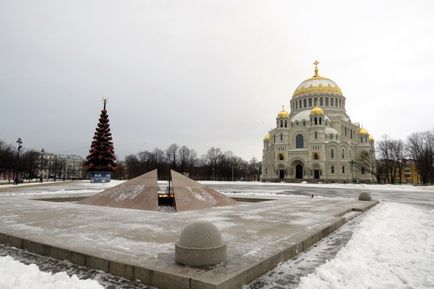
x=316, y=141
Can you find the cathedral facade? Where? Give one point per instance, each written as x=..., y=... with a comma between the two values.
x=316, y=141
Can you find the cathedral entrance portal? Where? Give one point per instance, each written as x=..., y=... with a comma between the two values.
x=316, y=174
x=281, y=174
x=298, y=171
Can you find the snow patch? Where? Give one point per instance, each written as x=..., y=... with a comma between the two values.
x=16, y=275
x=391, y=248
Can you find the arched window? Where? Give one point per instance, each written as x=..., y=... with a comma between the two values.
x=281, y=123
x=333, y=169
x=340, y=103
x=315, y=156
x=316, y=135
x=332, y=153
x=286, y=123
x=327, y=101
x=363, y=170
x=299, y=141
x=304, y=102
x=315, y=101
x=315, y=119
x=343, y=153
x=320, y=120
x=304, y=123
x=310, y=101
x=296, y=105
x=321, y=101
x=281, y=157
x=343, y=170
x=281, y=137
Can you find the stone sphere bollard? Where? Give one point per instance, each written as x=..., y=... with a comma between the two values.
x=365, y=196
x=200, y=245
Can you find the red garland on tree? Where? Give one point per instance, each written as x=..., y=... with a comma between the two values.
x=102, y=154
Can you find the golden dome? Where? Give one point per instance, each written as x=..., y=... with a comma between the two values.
x=267, y=136
x=317, y=85
x=371, y=138
x=317, y=111
x=363, y=131
x=283, y=114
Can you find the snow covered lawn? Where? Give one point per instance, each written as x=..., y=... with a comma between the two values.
x=379, y=187
x=16, y=275
x=392, y=247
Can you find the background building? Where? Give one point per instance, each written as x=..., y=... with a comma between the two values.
x=316, y=141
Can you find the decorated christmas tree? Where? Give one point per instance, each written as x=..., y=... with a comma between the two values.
x=101, y=156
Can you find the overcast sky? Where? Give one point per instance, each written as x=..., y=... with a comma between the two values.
x=206, y=73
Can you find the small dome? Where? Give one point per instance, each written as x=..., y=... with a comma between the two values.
x=371, y=138
x=365, y=196
x=267, y=136
x=200, y=245
x=317, y=111
x=283, y=114
x=363, y=131
x=200, y=234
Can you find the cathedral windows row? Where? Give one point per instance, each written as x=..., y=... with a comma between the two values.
x=322, y=101
x=346, y=130
x=317, y=120
x=331, y=136
x=283, y=123
x=332, y=169
x=332, y=153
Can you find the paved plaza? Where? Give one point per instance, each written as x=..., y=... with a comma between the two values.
x=138, y=244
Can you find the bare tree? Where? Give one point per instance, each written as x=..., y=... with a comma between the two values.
x=420, y=147
x=391, y=153
x=171, y=153
x=366, y=161
x=184, y=158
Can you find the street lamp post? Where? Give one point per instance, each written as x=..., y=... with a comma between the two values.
x=20, y=145
x=41, y=179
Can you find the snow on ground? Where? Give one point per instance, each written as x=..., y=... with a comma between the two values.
x=392, y=247
x=381, y=187
x=16, y=275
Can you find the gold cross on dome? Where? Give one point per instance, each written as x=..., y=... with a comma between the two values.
x=316, y=68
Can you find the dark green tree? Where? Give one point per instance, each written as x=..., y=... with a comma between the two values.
x=102, y=155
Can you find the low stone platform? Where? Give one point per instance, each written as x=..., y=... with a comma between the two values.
x=138, y=244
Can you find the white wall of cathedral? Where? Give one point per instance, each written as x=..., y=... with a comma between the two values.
x=328, y=155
